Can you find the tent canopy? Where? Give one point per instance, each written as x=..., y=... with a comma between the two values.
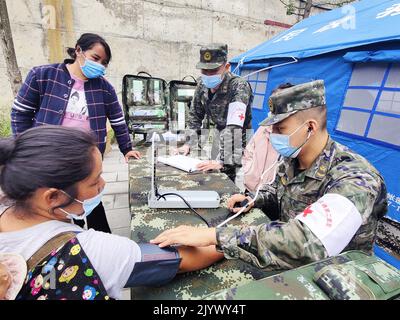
x=354, y=25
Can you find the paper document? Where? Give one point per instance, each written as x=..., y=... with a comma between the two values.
x=184, y=163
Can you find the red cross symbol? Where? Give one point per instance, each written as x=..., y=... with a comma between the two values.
x=307, y=211
x=241, y=117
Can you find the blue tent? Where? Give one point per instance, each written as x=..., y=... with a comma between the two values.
x=356, y=51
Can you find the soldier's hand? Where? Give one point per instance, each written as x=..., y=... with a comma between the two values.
x=187, y=236
x=237, y=199
x=209, y=165
x=185, y=150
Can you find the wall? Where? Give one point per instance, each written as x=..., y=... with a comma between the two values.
x=160, y=37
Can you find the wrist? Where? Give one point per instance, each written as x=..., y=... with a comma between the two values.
x=213, y=236
x=126, y=151
x=249, y=194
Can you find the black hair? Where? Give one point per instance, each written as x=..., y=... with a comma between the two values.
x=282, y=87
x=319, y=111
x=86, y=42
x=45, y=157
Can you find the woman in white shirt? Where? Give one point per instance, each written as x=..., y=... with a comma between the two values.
x=53, y=175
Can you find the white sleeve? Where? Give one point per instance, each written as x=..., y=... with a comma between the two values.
x=113, y=257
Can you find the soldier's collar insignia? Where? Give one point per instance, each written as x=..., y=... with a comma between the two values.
x=321, y=171
x=207, y=56
x=271, y=105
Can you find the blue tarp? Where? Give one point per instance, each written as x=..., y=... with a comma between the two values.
x=358, y=24
x=389, y=55
x=327, y=47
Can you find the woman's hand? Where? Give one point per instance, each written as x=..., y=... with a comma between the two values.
x=188, y=236
x=238, y=198
x=133, y=154
x=209, y=165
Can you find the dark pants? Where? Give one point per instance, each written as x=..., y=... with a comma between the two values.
x=97, y=220
x=230, y=171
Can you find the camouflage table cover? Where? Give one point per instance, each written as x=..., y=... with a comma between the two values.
x=148, y=223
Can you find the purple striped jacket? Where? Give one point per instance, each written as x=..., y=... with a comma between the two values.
x=43, y=99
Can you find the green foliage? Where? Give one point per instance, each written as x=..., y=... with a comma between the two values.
x=290, y=9
x=5, y=122
x=111, y=136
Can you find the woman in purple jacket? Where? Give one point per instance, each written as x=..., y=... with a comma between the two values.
x=75, y=94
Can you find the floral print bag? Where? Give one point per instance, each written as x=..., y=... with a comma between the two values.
x=61, y=270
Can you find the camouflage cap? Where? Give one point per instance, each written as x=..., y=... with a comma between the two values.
x=287, y=102
x=213, y=56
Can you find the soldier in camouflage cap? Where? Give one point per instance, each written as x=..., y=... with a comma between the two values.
x=327, y=198
x=224, y=100
x=284, y=103
x=213, y=56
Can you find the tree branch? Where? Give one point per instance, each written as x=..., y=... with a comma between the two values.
x=7, y=44
x=290, y=5
x=336, y=4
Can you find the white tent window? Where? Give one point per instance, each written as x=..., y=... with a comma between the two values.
x=368, y=74
x=393, y=80
x=258, y=82
x=245, y=72
x=385, y=129
x=361, y=98
x=263, y=76
x=389, y=102
x=258, y=102
x=371, y=108
x=261, y=88
x=348, y=125
x=253, y=77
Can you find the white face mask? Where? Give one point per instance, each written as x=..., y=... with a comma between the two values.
x=88, y=206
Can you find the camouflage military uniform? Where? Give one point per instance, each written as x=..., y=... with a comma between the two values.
x=230, y=139
x=289, y=243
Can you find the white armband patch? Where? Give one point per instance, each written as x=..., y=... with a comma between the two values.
x=236, y=114
x=334, y=220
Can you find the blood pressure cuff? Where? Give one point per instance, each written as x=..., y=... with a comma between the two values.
x=157, y=267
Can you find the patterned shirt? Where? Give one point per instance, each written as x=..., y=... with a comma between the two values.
x=44, y=97
x=77, y=113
